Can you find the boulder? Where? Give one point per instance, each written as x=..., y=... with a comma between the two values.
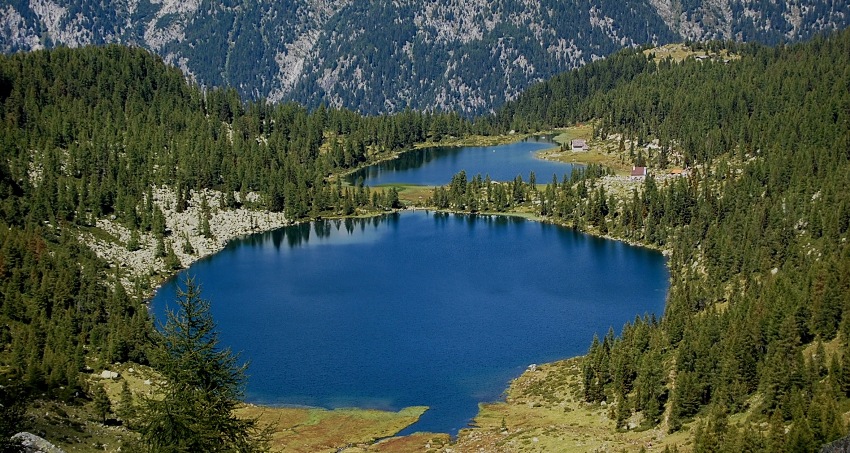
x=839, y=446
x=106, y=374
x=34, y=444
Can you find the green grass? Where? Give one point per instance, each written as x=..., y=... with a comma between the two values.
x=474, y=140
x=584, y=131
x=602, y=152
x=543, y=411
x=317, y=430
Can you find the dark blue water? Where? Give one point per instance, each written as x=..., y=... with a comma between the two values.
x=436, y=166
x=417, y=308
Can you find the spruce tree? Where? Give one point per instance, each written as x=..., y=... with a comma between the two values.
x=192, y=410
x=126, y=408
x=102, y=406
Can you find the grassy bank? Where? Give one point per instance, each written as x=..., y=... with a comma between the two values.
x=77, y=427
x=543, y=411
x=311, y=430
x=601, y=152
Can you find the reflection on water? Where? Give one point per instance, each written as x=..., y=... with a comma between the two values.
x=436, y=166
x=416, y=159
x=299, y=235
x=416, y=308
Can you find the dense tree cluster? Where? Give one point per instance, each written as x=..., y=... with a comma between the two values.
x=485, y=195
x=88, y=133
x=59, y=305
x=108, y=123
x=568, y=98
x=760, y=265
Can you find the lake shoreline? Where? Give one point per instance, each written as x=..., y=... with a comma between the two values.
x=543, y=219
x=430, y=213
x=476, y=140
x=233, y=224
x=109, y=238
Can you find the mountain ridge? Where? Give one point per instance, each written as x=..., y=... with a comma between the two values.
x=383, y=56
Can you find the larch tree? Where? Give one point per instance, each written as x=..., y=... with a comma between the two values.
x=192, y=409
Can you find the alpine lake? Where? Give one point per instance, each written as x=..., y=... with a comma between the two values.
x=420, y=308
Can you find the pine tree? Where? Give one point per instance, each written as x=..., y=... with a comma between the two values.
x=133, y=243
x=843, y=377
x=825, y=418
x=776, y=437
x=160, y=252
x=686, y=399
x=187, y=245
x=102, y=406
x=204, y=218
x=622, y=411
x=171, y=260
x=126, y=407
x=800, y=436
x=392, y=199
x=649, y=385
x=193, y=408
x=711, y=434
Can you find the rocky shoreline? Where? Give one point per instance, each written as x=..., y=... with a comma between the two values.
x=109, y=239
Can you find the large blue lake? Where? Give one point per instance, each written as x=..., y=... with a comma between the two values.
x=436, y=166
x=418, y=308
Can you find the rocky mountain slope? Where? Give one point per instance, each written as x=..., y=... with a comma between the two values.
x=383, y=56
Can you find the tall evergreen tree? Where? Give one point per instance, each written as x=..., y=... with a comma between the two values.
x=102, y=405
x=193, y=408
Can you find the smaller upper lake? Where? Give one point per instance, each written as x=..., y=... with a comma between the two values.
x=436, y=166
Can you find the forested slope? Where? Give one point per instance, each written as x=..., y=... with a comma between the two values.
x=758, y=313
x=88, y=134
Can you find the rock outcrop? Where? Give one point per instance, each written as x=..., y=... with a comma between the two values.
x=31, y=443
x=184, y=229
